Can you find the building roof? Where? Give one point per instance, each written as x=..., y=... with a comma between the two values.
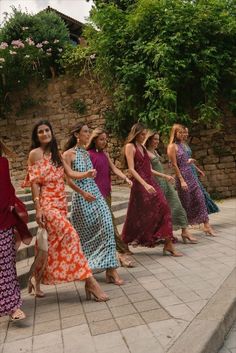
x=75, y=27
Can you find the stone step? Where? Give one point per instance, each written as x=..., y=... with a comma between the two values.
x=116, y=206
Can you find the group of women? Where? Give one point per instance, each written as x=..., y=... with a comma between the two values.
x=90, y=241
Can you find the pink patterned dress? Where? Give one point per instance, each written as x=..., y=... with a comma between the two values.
x=65, y=259
x=148, y=219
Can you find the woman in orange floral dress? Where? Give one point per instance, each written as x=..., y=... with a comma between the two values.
x=65, y=261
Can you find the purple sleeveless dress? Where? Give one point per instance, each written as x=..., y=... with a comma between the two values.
x=192, y=199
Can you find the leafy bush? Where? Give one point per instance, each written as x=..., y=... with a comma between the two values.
x=165, y=61
x=30, y=47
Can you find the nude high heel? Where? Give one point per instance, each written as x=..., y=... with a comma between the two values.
x=89, y=292
x=191, y=239
x=32, y=288
x=171, y=251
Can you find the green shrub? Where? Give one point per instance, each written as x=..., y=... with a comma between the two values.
x=165, y=61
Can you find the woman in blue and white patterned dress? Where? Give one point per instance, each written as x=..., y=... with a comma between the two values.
x=90, y=214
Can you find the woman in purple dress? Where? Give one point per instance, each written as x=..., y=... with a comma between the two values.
x=104, y=166
x=187, y=186
x=11, y=227
x=148, y=220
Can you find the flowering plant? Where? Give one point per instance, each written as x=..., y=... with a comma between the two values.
x=30, y=47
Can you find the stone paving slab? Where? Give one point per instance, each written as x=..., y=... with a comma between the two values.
x=161, y=298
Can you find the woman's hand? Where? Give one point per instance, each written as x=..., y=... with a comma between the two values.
x=129, y=182
x=150, y=189
x=170, y=179
x=191, y=161
x=88, y=197
x=40, y=218
x=184, y=185
x=202, y=174
x=91, y=173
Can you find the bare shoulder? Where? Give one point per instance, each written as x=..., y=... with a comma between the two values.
x=172, y=147
x=69, y=154
x=35, y=155
x=129, y=147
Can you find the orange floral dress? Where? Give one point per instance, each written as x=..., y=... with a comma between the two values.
x=65, y=259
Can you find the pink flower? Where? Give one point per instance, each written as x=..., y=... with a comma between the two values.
x=45, y=42
x=49, y=49
x=3, y=45
x=30, y=41
x=12, y=52
x=17, y=44
x=2, y=60
x=39, y=45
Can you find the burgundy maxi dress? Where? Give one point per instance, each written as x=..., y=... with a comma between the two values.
x=148, y=219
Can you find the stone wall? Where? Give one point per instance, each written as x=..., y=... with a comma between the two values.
x=214, y=150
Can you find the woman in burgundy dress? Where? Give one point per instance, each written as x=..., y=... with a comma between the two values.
x=13, y=228
x=148, y=219
x=189, y=191
x=104, y=166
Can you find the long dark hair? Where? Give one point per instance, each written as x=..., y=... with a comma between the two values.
x=55, y=157
x=72, y=141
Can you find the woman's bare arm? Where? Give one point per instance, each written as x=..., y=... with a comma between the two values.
x=171, y=151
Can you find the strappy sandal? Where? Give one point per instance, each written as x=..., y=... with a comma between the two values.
x=17, y=315
x=125, y=261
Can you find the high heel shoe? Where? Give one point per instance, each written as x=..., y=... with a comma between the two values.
x=172, y=252
x=32, y=289
x=89, y=292
x=191, y=239
x=209, y=232
x=111, y=279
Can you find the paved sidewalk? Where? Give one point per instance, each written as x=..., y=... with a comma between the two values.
x=230, y=342
x=160, y=298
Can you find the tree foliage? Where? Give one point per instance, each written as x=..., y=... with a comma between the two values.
x=165, y=60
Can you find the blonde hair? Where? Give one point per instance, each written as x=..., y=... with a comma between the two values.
x=95, y=133
x=136, y=129
x=149, y=136
x=4, y=149
x=175, y=128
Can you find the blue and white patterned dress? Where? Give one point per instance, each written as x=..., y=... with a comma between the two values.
x=92, y=220
x=210, y=204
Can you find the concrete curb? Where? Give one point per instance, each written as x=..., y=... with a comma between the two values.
x=206, y=333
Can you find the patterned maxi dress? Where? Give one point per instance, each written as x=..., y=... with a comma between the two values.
x=192, y=199
x=10, y=298
x=66, y=261
x=179, y=217
x=93, y=220
x=210, y=204
x=148, y=219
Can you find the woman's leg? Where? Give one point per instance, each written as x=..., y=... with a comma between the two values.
x=112, y=276
x=169, y=247
x=92, y=288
